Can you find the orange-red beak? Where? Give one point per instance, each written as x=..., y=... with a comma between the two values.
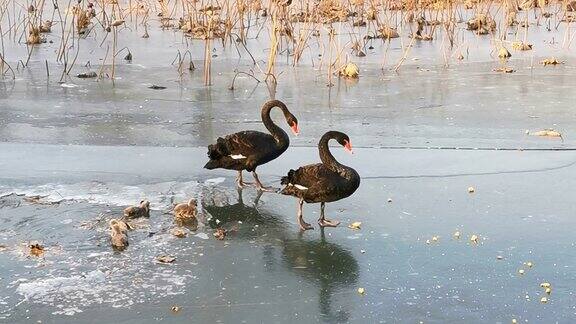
x=295, y=129
x=348, y=146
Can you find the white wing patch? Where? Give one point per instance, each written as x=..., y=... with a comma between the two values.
x=300, y=187
x=237, y=156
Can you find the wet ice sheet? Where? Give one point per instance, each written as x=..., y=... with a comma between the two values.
x=265, y=267
x=431, y=107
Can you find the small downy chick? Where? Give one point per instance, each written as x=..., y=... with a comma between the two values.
x=185, y=213
x=138, y=211
x=118, y=236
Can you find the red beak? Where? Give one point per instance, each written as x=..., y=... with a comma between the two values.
x=295, y=129
x=348, y=146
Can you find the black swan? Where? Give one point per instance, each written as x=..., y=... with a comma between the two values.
x=323, y=182
x=248, y=149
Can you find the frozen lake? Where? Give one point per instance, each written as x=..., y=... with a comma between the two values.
x=422, y=138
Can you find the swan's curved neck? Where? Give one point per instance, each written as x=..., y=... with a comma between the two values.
x=278, y=133
x=327, y=158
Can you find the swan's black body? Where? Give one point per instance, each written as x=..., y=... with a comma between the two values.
x=248, y=149
x=323, y=182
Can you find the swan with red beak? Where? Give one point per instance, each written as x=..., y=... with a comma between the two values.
x=247, y=150
x=322, y=182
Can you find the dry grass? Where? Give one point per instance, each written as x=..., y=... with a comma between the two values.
x=292, y=27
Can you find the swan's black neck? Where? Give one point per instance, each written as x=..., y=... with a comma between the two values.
x=326, y=156
x=278, y=133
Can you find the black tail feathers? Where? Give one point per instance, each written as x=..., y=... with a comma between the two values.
x=212, y=164
x=288, y=179
x=218, y=150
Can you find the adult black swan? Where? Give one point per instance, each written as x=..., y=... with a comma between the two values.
x=248, y=149
x=323, y=182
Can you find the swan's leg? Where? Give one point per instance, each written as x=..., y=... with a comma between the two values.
x=322, y=221
x=240, y=199
x=303, y=225
x=257, y=198
x=260, y=186
x=240, y=182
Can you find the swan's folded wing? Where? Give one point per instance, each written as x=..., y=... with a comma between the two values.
x=247, y=143
x=314, y=177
